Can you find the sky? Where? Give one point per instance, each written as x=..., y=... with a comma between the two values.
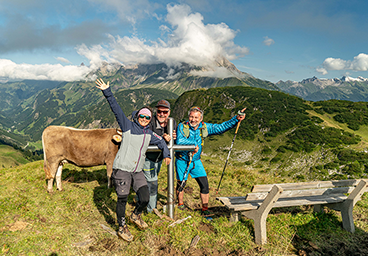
x=271, y=40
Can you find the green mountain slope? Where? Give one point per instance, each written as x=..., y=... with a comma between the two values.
x=281, y=133
x=10, y=157
x=78, y=104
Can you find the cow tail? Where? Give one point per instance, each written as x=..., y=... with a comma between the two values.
x=46, y=165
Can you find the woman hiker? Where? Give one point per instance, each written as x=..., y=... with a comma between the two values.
x=128, y=163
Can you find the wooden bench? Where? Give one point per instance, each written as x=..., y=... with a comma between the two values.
x=257, y=204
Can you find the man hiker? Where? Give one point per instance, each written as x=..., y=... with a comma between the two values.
x=194, y=131
x=152, y=164
x=128, y=163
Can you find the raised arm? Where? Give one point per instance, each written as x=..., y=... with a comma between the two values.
x=214, y=129
x=123, y=121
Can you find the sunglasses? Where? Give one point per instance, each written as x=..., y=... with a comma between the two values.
x=144, y=116
x=162, y=111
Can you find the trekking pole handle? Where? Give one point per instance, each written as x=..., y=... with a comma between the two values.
x=237, y=127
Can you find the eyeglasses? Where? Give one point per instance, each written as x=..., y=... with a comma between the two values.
x=162, y=111
x=144, y=116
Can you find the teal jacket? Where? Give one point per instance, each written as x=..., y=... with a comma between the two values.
x=195, y=137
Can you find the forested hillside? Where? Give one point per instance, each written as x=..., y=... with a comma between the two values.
x=281, y=134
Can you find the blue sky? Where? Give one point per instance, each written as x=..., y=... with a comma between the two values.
x=272, y=40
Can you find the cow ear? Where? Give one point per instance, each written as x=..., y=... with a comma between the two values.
x=117, y=138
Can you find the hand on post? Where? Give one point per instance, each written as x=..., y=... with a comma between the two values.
x=195, y=150
x=166, y=137
x=167, y=160
x=174, y=134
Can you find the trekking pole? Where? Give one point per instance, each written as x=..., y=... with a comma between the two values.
x=231, y=147
x=181, y=188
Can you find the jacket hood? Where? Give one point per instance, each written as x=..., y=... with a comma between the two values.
x=135, y=119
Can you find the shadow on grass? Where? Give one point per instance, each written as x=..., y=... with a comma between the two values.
x=102, y=195
x=324, y=235
x=81, y=175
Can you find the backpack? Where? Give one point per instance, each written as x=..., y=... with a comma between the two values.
x=202, y=131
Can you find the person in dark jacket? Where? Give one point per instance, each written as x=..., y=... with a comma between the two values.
x=128, y=163
x=152, y=165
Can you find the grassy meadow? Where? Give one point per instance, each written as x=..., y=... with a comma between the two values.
x=10, y=157
x=70, y=222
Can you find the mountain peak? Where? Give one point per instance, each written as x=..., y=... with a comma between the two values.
x=352, y=79
x=309, y=80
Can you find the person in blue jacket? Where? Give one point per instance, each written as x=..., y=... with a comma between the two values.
x=128, y=163
x=193, y=132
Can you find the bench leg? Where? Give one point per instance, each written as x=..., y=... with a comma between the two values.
x=347, y=218
x=346, y=207
x=318, y=208
x=260, y=215
x=234, y=216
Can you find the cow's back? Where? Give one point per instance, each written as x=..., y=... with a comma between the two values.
x=81, y=147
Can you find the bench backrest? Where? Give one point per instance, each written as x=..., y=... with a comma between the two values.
x=303, y=189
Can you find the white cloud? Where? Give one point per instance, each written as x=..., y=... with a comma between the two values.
x=218, y=72
x=359, y=63
x=61, y=59
x=188, y=40
x=268, y=41
x=322, y=71
x=57, y=72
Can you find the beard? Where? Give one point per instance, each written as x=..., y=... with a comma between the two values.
x=193, y=126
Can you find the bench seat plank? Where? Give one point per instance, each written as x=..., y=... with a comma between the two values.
x=298, y=193
x=252, y=205
x=327, y=192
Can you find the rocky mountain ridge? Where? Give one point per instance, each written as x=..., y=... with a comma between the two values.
x=315, y=89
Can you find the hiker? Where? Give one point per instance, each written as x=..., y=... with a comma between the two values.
x=128, y=163
x=152, y=165
x=194, y=132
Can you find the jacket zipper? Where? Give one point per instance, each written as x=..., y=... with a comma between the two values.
x=140, y=151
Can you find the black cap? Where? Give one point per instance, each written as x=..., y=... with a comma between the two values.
x=163, y=103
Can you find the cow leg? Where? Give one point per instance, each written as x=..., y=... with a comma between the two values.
x=50, y=182
x=58, y=177
x=109, y=172
x=51, y=169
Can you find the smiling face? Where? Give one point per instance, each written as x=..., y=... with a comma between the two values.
x=142, y=119
x=195, y=117
x=162, y=114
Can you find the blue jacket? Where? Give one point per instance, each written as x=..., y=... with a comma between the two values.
x=196, y=139
x=136, y=138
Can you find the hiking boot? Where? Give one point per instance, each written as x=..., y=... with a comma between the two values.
x=182, y=207
x=137, y=220
x=125, y=234
x=206, y=214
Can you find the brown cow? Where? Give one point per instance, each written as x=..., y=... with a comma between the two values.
x=84, y=148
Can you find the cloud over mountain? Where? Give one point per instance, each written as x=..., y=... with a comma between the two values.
x=186, y=39
x=359, y=63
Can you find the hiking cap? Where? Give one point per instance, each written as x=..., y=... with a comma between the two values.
x=163, y=103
